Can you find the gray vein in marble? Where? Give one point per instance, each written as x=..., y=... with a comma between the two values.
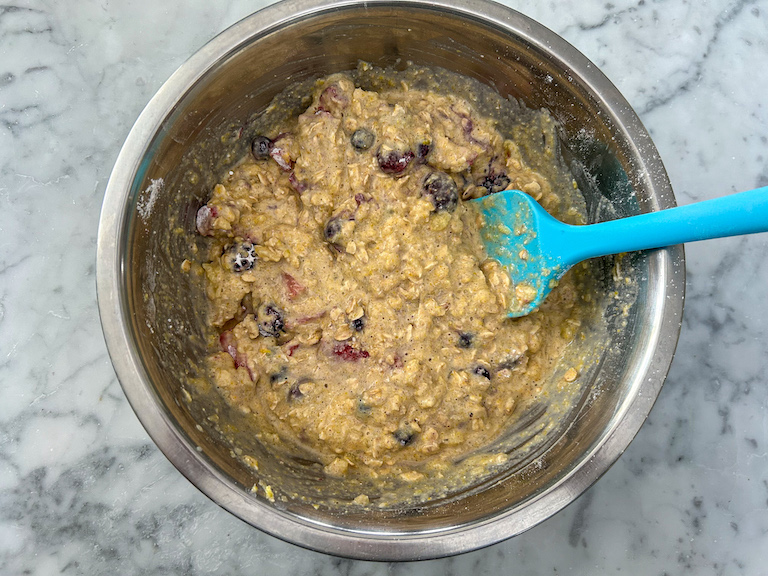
x=611, y=16
x=697, y=68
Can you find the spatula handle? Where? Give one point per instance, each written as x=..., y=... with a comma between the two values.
x=734, y=215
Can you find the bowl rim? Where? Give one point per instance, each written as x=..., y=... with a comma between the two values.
x=182, y=453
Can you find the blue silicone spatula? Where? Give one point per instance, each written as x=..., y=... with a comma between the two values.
x=537, y=249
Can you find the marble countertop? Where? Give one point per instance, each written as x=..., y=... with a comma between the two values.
x=83, y=490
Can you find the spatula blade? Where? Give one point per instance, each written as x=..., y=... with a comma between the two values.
x=512, y=221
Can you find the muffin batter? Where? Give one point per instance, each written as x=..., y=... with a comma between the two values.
x=359, y=320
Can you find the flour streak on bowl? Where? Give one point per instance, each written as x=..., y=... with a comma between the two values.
x=191, y=130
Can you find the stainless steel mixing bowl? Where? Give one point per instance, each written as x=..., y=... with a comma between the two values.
x=193, y=128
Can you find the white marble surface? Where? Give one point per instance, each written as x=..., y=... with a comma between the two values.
x=83, y=489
